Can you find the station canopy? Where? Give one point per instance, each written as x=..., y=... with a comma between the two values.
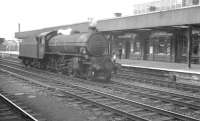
x=167, y=20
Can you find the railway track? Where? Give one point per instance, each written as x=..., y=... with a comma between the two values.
x=134, y=85
x=128, y=108
x=131, y=76
x=155, y=79
x=10, y=111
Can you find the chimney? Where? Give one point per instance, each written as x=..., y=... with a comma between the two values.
x=118, y=14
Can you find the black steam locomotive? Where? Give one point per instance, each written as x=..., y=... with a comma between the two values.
x=78, y=54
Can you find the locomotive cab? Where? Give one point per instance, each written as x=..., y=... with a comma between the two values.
x=40, y=46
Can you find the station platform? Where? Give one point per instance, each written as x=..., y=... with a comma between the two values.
x=173, y=67
x=9, y=53
x=181, y=71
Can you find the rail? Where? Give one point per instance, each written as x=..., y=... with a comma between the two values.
x=92, y=95
x=17, y=108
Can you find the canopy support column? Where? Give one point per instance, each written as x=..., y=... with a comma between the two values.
x=189, y=50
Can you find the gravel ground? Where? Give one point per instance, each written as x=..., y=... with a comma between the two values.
x=50, y=104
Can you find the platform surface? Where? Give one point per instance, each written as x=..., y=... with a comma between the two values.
x=166, y=66
x=9, y=52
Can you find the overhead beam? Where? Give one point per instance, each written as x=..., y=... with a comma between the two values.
x=184, y=16
x=82, y=27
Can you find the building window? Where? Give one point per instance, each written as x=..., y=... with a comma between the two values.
x=184, y=45
x=137, y=47
x=163, y=46
x=161, y=43
x=195, y=2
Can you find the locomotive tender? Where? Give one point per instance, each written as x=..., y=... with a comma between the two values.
x=78, y=54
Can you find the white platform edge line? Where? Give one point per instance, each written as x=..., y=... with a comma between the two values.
x=173, y=70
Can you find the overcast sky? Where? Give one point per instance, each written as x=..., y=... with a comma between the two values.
x=37, y=14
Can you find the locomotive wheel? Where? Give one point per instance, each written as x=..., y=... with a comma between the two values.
x=26, y=63
x=23, y=61
x=90, y=75
x=107, y=76
x=74, y=73
x=43, y=65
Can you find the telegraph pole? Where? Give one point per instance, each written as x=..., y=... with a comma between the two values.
x=19, y=27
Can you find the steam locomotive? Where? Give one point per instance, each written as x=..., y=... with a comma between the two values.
x=82, y=55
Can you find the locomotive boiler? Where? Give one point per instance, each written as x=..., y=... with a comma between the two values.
x=94, y=43
x=80, y=54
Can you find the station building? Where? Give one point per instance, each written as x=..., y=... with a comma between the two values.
x=158, y=44
x=166, y=36
x=171, y=35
